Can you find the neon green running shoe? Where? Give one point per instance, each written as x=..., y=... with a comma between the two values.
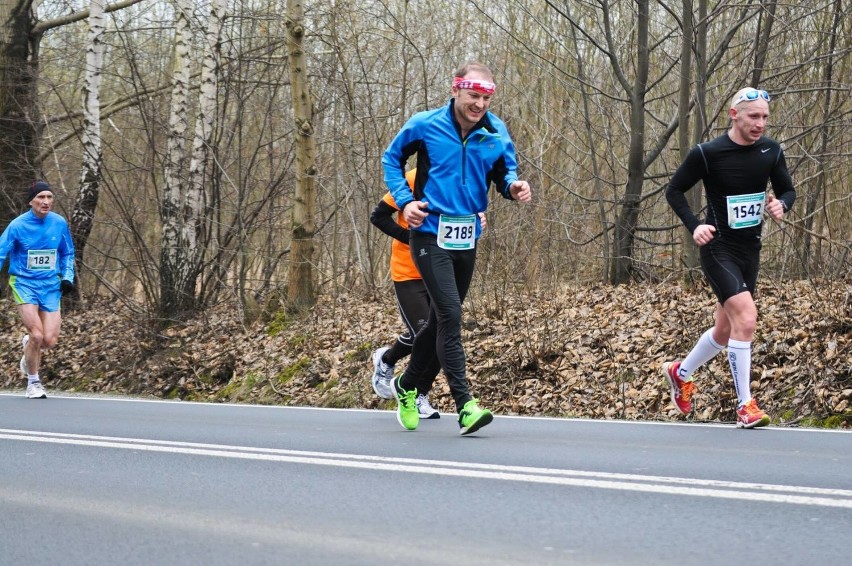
x=406, y=411
x=472, y=417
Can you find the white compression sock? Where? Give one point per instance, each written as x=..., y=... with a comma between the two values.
x=739, y=357
x=32, y=378
x=704, y=350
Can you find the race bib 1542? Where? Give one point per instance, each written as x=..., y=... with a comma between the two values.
x=745, y=210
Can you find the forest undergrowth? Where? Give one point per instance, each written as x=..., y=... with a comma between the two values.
x=586, y=352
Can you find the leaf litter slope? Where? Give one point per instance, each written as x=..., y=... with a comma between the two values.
x=592, y=352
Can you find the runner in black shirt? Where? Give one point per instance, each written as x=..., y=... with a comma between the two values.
x=735, y=168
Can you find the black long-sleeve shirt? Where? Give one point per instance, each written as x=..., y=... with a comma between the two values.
x=729, y=169
x=382, y=218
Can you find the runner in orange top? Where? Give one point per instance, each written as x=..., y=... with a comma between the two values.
x=411, y=298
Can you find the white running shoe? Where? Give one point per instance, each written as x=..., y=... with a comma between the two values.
x=24, y=341
x=382, y=375
x=426, y=410
x=36, y=391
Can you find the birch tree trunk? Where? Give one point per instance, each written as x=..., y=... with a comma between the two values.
x=177, y=294
x=195, y=202
x=301, y=292
x=19, y=116
x=90, y=178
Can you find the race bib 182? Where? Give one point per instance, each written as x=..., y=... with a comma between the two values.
x=41, y=260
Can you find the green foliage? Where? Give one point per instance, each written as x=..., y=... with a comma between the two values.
x=293, y=370
x=361, y=353
x=238, y=388
x=279, y=323
x=834, y=421
x=837, y=421
x=298, y=341
x=341, y=400
x=205, y=379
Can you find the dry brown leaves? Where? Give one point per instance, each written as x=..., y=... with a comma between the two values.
x=588, y=352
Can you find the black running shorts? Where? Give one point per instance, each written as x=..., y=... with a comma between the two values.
x=730, y=268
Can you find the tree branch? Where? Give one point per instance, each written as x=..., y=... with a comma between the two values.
x=46, y=25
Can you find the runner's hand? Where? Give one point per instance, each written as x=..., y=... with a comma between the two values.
x=521, y=191
x=703, y=234
x=67, y=287
x=414, y=213
x=775, y=208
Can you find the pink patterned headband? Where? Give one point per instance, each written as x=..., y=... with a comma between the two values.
x=479, y=86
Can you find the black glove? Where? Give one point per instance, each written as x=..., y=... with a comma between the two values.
x=67, y=287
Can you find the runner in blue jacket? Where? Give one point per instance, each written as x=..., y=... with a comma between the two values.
x=460, y=150
x=41, y=269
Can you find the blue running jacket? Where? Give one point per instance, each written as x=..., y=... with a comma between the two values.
x=28, y=233
x=453, y=174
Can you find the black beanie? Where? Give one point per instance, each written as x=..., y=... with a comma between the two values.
x=36, y=187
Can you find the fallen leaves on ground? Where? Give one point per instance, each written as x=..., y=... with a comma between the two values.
x=592, y=352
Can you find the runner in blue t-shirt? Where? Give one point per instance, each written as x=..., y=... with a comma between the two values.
x=41, y=270
x=461, y=149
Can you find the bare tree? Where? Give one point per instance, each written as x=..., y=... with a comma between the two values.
x=20, y=116
x=19, y=112
x=300, y=289
x=573, y=98
x=177, y=268
x=818, y=188
x=596, y=173
x=765, y=19
x=689, y=255
x=621, y=270
x=195, y=202
x=90, y=179
x=699, y=121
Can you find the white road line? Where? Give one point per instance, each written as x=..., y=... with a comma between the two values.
x=798, y=495
x=606, y=422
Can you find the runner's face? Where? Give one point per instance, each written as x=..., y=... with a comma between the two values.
x=42, y=203
x=748, y=120
x=470, y=106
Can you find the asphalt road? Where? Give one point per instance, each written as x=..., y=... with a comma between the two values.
x=119, y=481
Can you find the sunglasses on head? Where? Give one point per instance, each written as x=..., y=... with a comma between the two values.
x=753, y=94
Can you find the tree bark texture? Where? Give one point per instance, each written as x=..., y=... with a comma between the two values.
x=625, y=226
x=19, y=114
x=177, y=280
x=87, y=199
x=300, y=289
x=817, y=188
x=689, y=251
x=764, y=32
x=195, y=207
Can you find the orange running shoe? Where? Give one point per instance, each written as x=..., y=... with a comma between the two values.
x=750, y=416
x=681, y=390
